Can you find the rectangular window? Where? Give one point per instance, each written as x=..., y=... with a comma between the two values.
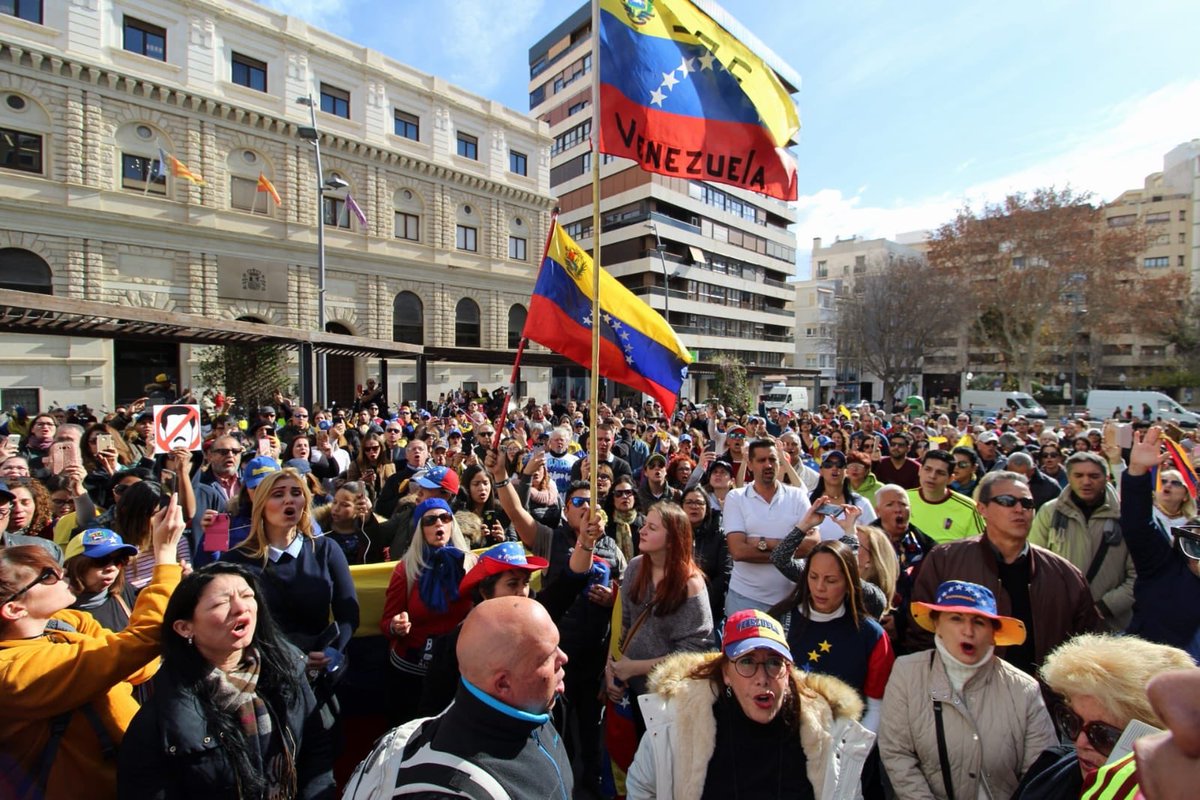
x=136, y=173
x=1179, y=261
x=335, y=213
x=468, y=146
x=20, y=151
x=1122, y=221
x=28, y=10
x=516, y=248
x=335, y=101
x=1182, y=215
x=1157, y=261
x=1158, y=217
x=407, y=125
x=145, y=39
x=408, y=226
x=249, y=72
x=518, y=162
x=244, y=196
x=466, y=238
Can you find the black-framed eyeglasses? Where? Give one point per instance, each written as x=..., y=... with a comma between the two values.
x=228, y=451
x=429, y=520
x=747, y=666
x=1009, y=501
x=48, y=576
x=1103, y=736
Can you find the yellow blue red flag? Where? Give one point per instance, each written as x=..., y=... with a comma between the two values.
x=683, y=97
x=637, y=346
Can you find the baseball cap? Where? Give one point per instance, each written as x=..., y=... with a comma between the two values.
x=145, y=415
x=736, y=429
x=442, y=478
x=987, y=437
x=258, y=468
x=97, y=543
x=5, y=495
x=752, y=629
x=725, y=465
x=501, y=558
x=659, y=457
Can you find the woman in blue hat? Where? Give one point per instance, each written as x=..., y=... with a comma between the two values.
x=95, y=570
x=958, y=721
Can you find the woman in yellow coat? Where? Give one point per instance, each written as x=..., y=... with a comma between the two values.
x=65, y=680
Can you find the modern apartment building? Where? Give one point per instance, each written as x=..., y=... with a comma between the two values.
x=714, y=259
x=453, y=191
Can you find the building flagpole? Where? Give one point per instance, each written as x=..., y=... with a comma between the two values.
x=594, y=401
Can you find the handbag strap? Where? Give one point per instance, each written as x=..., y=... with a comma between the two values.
x=635, y=627
x=943, y=754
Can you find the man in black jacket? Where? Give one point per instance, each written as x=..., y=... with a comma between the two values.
x=497, y=735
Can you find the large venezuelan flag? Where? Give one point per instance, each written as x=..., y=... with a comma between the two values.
x=637, y=346
x=682, y=97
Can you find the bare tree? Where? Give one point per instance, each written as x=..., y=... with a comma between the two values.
x=1021, y=265
x=892, y=317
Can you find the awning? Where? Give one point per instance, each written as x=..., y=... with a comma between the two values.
x=697, y=255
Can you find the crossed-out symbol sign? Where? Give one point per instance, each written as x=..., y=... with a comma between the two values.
x=176, y=427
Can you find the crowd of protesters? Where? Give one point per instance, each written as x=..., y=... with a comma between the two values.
x=807, y=604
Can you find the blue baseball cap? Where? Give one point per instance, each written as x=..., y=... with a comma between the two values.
x=258, y=468
x=5, y=495
x=98, y=543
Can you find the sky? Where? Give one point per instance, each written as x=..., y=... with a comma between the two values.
x=910, y=110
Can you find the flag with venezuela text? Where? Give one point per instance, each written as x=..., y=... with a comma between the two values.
x=682, y=97
x=637, y=346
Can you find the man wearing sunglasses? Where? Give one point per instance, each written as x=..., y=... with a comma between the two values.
x=1083, y=526
x=1043, y=590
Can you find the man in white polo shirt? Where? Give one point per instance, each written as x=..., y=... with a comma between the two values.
x=757, y=517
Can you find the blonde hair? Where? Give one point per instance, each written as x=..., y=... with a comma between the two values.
x=1114, y=670
x=1188, y=509
x=256, y=543
x=414, y=556
x=884, y=571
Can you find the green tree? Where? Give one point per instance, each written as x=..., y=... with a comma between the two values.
x=249, y=372
x=730, y=386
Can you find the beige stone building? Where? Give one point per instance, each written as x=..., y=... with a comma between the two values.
x=454, y=189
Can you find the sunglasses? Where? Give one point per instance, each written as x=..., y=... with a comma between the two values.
x=833, y=463
x=963, y=464
x=736, y=436
x=1187, y=539
x=1103, y=736
x=395, y=430
x=747, y=666
x=371, y=449
x=1009, y=501
x=227, y=451
x=1175, y=483
x=48, y=576
x=444, y=518
x=579, y=501
x=117, y=559
x=623, y=493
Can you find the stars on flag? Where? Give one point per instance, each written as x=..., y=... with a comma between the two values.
x=687, y=66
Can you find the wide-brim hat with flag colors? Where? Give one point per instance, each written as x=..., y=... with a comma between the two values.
x=962, y=597
x=504, y=557
x=753, y=630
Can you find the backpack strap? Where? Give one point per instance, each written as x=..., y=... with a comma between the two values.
x=58, y=728
x=1111, y=536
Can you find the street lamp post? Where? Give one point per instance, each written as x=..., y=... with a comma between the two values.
x=662, y=260
x=311, y=135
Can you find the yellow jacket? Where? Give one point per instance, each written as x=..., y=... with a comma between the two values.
x=64, y=670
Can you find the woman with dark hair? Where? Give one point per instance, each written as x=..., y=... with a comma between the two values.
x=826, y=618
x=299, y=450
x=745, y=722
x=134, y=520
x=102, y=463
x=30, y=511
x=95, y=570
x=373, y=466
x=833, y=483
x=624, y=520
x=232, y=715
x=664, y=603
x=708, y=547
x=65, y=679
x=539, y=492
x=350, y=522
x=477, y=496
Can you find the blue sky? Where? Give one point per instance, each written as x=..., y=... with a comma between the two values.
x=909, y=109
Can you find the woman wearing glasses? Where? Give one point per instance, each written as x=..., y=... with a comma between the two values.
x=745, y=723
x=1173, y=503
x=422, y=602
x=624, y=520
x=1166, y=596
x=957, y=721
x=709, y=548
x=66, y=680
x=373, y=466
x=1100, y=681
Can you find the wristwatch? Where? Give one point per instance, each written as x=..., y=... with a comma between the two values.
x=762, y=544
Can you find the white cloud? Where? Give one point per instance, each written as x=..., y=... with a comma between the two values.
x=1114, y=153
x=484, y=37
x=324, y=14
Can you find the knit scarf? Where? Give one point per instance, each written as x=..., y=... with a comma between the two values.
x=958, y=672
x=438, y=584
x=622, y=532
x=544, y=497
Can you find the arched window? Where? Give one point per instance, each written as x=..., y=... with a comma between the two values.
x=24, y=271
x=408, y=319
x=466, y=323
x=516, y=324
x=338, y=328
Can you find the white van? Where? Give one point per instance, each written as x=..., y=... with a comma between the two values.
x=989, y=403
x=793, y=398
x=1101, y=403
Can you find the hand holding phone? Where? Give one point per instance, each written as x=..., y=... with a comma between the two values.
x=170, y=482
x=216, y=535
x=829, y=510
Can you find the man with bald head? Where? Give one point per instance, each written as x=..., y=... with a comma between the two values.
x=496, y=739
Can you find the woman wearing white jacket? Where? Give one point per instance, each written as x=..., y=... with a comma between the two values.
x=958, y=723
x=745, y=723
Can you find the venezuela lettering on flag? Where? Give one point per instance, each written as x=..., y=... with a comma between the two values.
x=682, y=97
